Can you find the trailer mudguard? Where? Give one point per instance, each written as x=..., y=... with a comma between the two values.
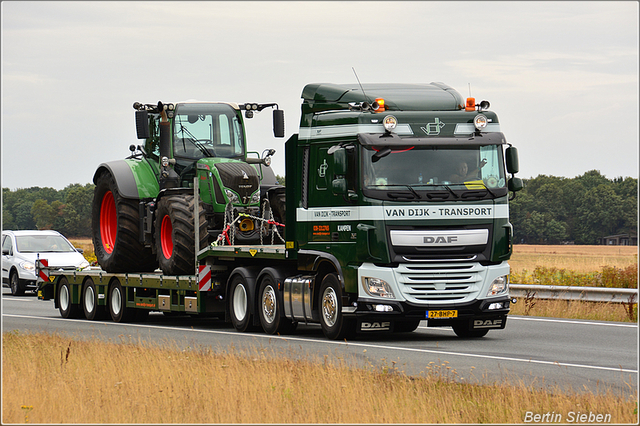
x=135, y=179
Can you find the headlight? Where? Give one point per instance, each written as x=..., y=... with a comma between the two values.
x=389, y=123
x=232, y=196
x=377, y=287
x=499, y=286
x=84, y=264
x=255, y=198
x=27, y=266
x=480, y=121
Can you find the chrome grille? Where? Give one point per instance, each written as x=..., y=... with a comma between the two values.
x=441, y=282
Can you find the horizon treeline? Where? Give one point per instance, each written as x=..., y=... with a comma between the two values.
x=549, y=210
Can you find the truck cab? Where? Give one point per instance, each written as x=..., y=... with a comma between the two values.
x=406, y=187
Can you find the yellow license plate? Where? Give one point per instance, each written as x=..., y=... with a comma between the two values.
x=442, y=314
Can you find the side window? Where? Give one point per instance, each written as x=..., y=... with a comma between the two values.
x=6, y=244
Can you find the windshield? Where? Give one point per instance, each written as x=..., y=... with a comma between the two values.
x=207, y=130
x=43, y=243
x=432, y=167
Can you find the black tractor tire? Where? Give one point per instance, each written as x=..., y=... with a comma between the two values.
x=277, y=200
x=175, y=234
x=115, y=226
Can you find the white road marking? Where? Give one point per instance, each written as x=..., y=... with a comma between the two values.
x=342, y=343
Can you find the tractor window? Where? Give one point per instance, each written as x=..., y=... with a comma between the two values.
x=206, y=130
x=152, y=145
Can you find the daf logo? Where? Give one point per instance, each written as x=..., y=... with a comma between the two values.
x=441, y=240
x=375, y=326
x=496, y=323
x=244, y=175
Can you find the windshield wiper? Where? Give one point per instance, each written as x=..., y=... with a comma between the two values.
x=451, y=191
x=393, y=195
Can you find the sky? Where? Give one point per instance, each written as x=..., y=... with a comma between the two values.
x=561, y=76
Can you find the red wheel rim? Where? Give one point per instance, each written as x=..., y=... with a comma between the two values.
x=108, y=222
x=166, y=239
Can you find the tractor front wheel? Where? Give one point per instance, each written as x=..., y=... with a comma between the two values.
x=175, y=234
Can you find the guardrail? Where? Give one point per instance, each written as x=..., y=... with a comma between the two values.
x=590, y=294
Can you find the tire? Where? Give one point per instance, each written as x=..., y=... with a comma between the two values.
x=92, y=311
x=270, y=308
x=278, y=203
x=66, y=308
x=115, y=229
x=334, y=325
x=406, y=326
x=16, y=284
x=462, y=330
x=117, y=302
x=175, y=234
x=239, y=307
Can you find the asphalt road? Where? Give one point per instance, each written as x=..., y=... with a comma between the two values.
x=581, y=356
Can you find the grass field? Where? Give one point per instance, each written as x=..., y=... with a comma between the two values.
x=51, y=379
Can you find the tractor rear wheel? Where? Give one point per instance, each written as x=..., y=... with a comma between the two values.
x=115, y=226
x=175, y=234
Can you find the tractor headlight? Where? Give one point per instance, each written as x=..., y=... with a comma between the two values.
x=255, y=198
x=499, y=286
x=377, y=287
x=232, y=196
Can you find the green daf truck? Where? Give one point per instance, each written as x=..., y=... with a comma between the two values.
x=396, y=212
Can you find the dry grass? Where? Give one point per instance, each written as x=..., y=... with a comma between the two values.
x=50, y=379
x=580, y=259
x=575, y=310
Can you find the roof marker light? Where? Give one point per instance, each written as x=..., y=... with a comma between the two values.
x=381, y=107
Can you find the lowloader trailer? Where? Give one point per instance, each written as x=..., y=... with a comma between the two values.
x=396, y=212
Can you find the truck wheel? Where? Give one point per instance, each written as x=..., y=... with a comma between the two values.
x=334, y=325
x=92, y=311
x=115, y=226
x=239, y=304
x=17, y=287
x=271, y=316
x=406, y=326
x=66, y=308
x=175, y=234
x=118, y=304
x=462, y=330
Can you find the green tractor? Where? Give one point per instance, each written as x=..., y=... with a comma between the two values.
x=143, y=206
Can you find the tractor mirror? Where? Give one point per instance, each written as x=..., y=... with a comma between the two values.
x=142, y=124
x=278, y=123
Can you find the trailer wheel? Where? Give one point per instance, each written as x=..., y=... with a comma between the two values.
x=115, y=229
x=175, y=234
x=92, y=311
x=17, y=286
x=66, y=308
x=462, y=330
x=271, y=316
x=334, y=325
x=239, y=308
x=118, y=304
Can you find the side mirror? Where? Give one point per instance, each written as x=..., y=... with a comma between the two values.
x=278, y=123
x=142, y=124
x=340, y=162
x=5, y=252
x=515, y=184
x=513, y=165
x=382, y=153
